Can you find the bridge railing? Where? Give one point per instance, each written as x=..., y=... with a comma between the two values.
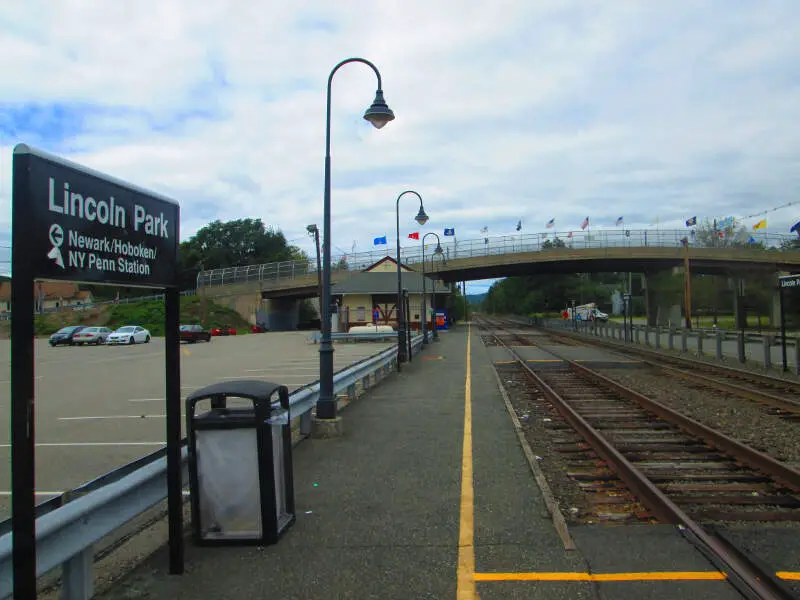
x=454, y=248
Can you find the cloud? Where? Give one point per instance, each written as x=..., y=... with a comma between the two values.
x=505, y=111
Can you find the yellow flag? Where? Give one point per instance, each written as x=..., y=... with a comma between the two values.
x=760, y=225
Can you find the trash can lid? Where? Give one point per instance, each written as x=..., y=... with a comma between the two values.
x=255, y=389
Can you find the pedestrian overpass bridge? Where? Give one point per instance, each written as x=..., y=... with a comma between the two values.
x=619, y=250
x=643, y=251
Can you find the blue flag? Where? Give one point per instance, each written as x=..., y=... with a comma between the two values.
x=691, y=221
x=449, y=230
x=379, y=241
x=795, y=227
x=752, y=240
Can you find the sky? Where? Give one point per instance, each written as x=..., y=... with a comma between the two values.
x=505, y=111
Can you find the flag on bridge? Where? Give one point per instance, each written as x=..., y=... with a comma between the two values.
x=519, y=225
x=619, y=220
x=691, y=221
x=795, y=227
x=569, y=235
x=450, y=231
x=760, y=225
x=484, y=229
x=414, y=236
x=379, y=241
x=585, y=223
x=752, y=240
x=551, y=222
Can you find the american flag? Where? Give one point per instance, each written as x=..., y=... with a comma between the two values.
x=585, y=223
x=550, y=223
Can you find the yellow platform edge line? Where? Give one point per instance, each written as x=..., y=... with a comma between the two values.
x=465, y=576
x=643, y=576
x=566, y=576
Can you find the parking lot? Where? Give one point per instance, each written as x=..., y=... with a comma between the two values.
x=98, y=408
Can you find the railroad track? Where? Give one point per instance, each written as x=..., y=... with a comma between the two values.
x=780, y=396
x=645, y=459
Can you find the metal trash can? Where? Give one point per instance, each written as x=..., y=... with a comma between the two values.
x=240, y=463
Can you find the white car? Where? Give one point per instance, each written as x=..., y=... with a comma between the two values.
x=130, y=334
x=91, y=335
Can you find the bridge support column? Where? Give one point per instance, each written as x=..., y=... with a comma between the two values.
x=775, y=315
x=650, y=302
x=739, y=311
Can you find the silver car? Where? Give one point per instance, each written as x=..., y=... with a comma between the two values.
x=91, y=335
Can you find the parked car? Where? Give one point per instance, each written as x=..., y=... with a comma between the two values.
x=130, y=334
x=92, y=335
x=224, y=330
x=194, y=333
x=66, y=335
x=258, y=328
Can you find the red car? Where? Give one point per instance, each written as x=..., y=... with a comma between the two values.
x=194, y=333
x=258, y=328
x=224, y=330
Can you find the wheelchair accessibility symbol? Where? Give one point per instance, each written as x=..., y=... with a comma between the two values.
x=57, y=239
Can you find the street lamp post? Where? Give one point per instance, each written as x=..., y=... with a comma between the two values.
x=313, y=231
x=379, y=114
x=421, y=218
x=424, y=282
x=435, y=327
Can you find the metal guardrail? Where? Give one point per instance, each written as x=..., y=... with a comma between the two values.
x=485, y=246
x=66, y=532
x=676, y=338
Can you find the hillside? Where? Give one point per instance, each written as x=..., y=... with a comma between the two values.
x=147, y=313
x=475, y=299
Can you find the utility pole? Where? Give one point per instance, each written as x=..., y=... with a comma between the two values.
x=687, y=284
x=202, y=297
x=313, y=231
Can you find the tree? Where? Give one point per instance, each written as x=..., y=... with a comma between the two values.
x=235, y=243
x=555, y=243
x=713, y=234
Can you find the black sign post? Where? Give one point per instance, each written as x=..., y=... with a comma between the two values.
x=785, y=282
x=73, y=224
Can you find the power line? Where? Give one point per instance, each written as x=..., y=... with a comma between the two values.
x=764, y=212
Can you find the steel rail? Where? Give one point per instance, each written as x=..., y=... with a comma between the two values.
x=745, y=576
x=657, y=360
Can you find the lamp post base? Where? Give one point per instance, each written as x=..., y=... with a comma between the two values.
x=327, y=428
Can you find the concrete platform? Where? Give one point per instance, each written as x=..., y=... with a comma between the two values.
x=429, y=494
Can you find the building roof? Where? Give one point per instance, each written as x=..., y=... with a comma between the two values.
x=403, y=267
x=51, y=290
x=368, y=282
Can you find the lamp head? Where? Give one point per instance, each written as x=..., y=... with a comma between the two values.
x=379, y=114
x=311, y=228
x=438, y=249
x=421, y=217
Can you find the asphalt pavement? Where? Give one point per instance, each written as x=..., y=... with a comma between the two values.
x=98, y=408
x=428, y=494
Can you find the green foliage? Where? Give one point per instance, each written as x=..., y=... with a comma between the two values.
x=308, y=313
x=531, y=294
x=555, y=243
x=455, y=303
x=231, y=244
x=147, y=313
